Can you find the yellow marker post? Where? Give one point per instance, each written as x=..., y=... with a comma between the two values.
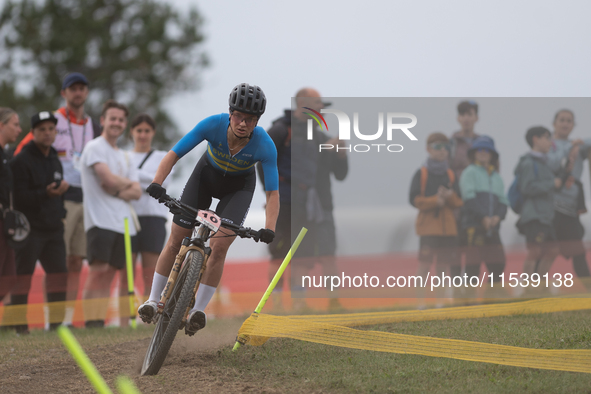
x=278, y=274
x=83, y=361
x=129, y=261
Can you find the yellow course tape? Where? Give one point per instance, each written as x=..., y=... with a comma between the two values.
x=544, y=305
x=17, y=314
x=259, y=327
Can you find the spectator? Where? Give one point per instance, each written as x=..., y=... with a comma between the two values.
x=311, y=181
x=152, y=215
x=109, y=181
x=9, y=131
x=461, y=142
x=38, y=190
x=485, y=206
x=566, y=158
x=74, y=130
x=537, y=184
x=434, y=192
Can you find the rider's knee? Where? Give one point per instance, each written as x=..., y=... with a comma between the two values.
x=173, y=247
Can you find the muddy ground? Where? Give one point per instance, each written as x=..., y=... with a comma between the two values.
x=192, y=366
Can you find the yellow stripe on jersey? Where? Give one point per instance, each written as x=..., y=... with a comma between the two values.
x=226, y=165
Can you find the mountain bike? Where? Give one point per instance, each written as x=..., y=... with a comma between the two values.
x=179, y=293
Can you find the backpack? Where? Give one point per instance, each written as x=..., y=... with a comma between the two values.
x=425, y=176
x=514, y=195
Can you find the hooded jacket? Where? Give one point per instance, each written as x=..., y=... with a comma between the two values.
x=536, y=184
x=32, y=173
x=301, y=166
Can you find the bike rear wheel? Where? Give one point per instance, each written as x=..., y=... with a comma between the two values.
x=172, y=316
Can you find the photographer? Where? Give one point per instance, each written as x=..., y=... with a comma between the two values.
x=38, y=189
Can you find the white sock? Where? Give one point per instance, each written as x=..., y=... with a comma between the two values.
x=158, y=284
x=204, y=295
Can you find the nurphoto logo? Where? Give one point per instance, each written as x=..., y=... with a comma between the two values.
x=345, y=130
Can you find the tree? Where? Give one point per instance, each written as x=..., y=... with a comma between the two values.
x=138, y=52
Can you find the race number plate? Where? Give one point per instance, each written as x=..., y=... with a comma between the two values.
x=210, y=220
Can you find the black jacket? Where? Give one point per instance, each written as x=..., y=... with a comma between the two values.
x=32, y=173
x=5, y=180
x=301, y=165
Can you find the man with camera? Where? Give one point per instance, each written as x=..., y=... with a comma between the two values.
x=38, y=189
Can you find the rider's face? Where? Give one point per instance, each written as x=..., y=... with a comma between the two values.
x=243, y=124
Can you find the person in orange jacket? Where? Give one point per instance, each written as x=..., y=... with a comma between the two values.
x=434, y=192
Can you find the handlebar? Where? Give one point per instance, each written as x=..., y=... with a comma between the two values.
x=177, y=207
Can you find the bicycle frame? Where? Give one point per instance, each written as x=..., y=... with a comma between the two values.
x=197, y=244
x=207, y=224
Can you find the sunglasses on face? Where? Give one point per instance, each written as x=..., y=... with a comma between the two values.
x=438, y=146
x=248, y=120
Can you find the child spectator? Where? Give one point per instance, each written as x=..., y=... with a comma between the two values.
x=460, y=143
x=566, y=158
x=434, y=191
x=537, y=184
x=462, y=140
x=485, y=205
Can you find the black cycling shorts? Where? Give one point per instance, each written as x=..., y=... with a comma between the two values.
x=234, y=192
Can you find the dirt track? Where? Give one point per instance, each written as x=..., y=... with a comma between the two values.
x=190, y=367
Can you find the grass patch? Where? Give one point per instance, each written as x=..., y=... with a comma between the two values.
x=308, y=366
x=286, y=365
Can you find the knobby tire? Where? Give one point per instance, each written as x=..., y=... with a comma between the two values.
x=173, y=314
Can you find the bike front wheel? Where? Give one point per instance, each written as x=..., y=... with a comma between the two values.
x=169, y=322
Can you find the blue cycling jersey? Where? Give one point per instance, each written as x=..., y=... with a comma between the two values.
x=214, y=129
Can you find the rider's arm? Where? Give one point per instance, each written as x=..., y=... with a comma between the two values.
x=268, y=159
x=204, y=130
x=272, y=209
x=165, y=167
x=267, y=155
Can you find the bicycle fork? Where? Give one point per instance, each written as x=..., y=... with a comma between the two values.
x=186, y=246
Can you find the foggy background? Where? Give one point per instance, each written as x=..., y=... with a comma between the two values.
x=459, y=49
